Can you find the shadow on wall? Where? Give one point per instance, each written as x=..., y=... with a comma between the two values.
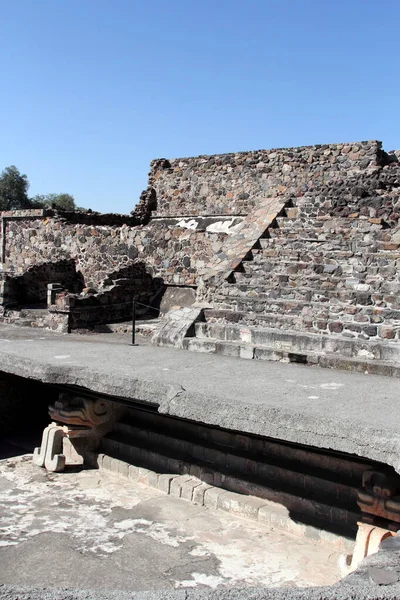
x=137, y=277
x=23, y=413
x=31, y=286
x=112, y=302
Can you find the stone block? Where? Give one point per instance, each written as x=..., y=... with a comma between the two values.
x=174, y=465
x=274, y=515
x=241, y=505
x=106, y=462
x=188, y=487
x=211, y=497
x=198, y=493
x=176, y=485
x=215, y=457
x=152, y=479
x=224, y=438
x=135, y=454
x=207, y=476
x=100, y=458
x=236, y=463
x=195, y=471
x=143, y=475
x=198, y=452
x=335, y=327
x=115, y=465
x=133, y=472
x=123, y=468
x=164, y=482
x=386, y=332
x=246, y=352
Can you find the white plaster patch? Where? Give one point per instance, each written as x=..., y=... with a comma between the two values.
x=331, y=386
x=201, y=579
x=225, y=226
x=159, y=532
x=191, y=224
x=313, y=397
x=199, y=552
x=365, y=354
x=61, y=356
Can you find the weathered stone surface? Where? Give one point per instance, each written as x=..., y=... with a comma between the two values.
x=269, y=399
x=235, y=183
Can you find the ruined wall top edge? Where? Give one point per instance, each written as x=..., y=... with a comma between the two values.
x=374, y=145
x=234, y=183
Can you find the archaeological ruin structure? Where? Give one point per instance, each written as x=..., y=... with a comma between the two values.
x=287, y=255
x=282, y=256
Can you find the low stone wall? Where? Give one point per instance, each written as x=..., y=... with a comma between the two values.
x=114, y=302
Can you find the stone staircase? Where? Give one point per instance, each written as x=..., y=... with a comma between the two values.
x=312, y=290
x=312, y=487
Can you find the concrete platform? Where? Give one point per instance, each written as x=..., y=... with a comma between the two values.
x=328, y=409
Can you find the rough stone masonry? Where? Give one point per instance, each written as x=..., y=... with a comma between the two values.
x=286, y=255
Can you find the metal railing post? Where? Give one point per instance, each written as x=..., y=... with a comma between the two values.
x=133, y=322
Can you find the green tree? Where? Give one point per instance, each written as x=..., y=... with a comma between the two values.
x=61, y=201
x=13, y=189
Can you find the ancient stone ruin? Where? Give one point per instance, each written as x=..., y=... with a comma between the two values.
x=285, y=255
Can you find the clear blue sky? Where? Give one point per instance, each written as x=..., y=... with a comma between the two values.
x=92, y=90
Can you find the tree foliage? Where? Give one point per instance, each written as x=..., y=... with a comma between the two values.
x=14, y=194
x=13, y=189
x=61, y=201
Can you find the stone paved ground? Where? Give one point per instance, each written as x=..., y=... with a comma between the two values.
x=90, y=530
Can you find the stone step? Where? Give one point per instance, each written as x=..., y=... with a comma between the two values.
x=340, y=257
x=261, y=352
x=315, y=281
x=328, y=276
x=291, y=306
x=353, y=267
x=146, y=327
x=321, y=229
x=299, y=342
x=306, y=232
x=328, y=322
x=292, y=221
x=283, y=510
x=290, y=255
x=306, y=245
x=302, y=488
x=339, y=295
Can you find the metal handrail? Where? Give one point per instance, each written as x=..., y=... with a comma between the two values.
x=134, y=303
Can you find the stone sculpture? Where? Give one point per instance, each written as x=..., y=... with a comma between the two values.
x=78, y=424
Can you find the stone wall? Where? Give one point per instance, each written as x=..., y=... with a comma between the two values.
x=232, y=184
x=114, y=302
x=171, y=252
x=372, y=194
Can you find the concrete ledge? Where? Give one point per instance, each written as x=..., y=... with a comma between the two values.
x=345, y=412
